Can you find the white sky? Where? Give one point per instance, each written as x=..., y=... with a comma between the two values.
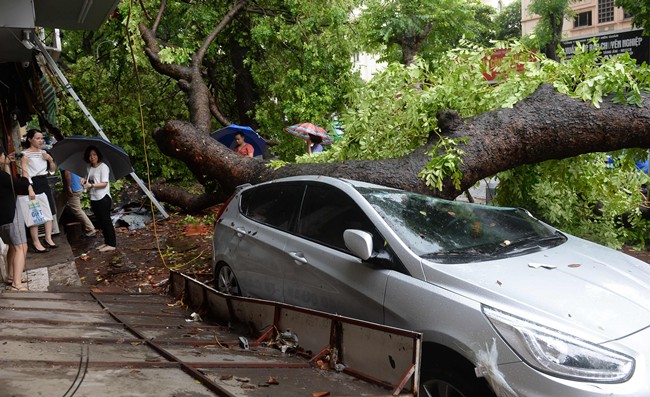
x=495, y=3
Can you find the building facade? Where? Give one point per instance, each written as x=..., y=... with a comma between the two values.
x=599, y=19
x=593, y=18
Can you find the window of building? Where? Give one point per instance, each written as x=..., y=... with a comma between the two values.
x=582, y=19
x=605, y=11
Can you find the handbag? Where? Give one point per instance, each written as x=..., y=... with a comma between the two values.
x=35, y=212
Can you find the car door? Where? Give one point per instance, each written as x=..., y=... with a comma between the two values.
x=266, y=214
x=322, y=273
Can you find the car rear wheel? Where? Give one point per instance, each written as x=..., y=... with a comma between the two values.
x=225, y=280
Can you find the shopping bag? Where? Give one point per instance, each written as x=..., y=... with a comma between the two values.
x=35, y=212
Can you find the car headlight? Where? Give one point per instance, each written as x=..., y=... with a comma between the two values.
x=560, y=354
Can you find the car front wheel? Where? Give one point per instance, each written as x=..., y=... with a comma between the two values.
x=441, y=383
x=225, y=280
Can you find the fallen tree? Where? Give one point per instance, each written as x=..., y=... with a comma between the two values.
x=547, y=125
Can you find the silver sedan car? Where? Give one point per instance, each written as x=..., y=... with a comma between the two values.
x=507, y=305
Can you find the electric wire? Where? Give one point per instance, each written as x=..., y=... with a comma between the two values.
x=79, y=371
x=142, y=130
x=77, y=375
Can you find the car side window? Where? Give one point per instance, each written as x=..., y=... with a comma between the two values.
x=327, y=212
x=274, y=205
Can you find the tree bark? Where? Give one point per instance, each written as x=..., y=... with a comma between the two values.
x=545, y=126
x=191, y=203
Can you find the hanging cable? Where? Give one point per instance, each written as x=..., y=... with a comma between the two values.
x=144, y=138
x=84, y=359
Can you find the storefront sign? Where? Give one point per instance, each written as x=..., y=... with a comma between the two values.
x=631, y=41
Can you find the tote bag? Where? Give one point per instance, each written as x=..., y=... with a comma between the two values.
x=35, y=212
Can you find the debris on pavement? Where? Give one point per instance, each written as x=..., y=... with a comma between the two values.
x=286, y=340
x=195, y=318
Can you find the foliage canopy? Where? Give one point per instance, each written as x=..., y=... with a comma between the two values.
x=548, y=31
x=640, y=11
x=401, y=29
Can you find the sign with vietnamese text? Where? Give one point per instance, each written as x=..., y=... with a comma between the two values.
x=631, y=41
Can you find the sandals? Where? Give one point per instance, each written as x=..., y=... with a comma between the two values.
x=9, y=282
x=22, y=288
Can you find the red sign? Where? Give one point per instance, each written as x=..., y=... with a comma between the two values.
x=495, y=60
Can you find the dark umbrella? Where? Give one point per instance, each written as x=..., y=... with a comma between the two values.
x=69, y=155
x=303, y=130
x=226, y=136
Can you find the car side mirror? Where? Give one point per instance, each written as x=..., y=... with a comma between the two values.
x=358, y=242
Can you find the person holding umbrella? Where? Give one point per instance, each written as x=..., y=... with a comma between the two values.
x=97, y=183
x=314, y=144
x=36, y=164
x=313, y=135
x=243, y=148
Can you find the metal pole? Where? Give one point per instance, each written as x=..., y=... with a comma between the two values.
x=85, y=111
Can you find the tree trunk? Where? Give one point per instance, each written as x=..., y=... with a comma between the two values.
x=191, y=203
x=545, y=126
x=245, y=91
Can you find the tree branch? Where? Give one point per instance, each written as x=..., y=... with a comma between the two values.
x=152, y=49
x=161, y=10
x=216, y=112
x=187, y=201
x=200, y=54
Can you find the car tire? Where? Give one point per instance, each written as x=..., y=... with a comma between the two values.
x=225, y=280
x=438, y=382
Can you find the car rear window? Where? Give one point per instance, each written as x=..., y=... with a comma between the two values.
x=274, y=205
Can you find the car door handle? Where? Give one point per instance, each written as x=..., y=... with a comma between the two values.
x=299, y=257
x=240, y=231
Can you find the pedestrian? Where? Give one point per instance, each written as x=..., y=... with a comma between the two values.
x=73, y=191
x=36, y=165
x=97, y=183
x=243, y=148
x=12, y=229
x=314, y=144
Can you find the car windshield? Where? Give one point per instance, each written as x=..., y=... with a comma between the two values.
x=454, y=232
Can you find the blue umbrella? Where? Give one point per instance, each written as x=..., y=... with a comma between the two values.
x=227, y=137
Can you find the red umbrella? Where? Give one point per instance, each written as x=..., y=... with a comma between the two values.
x=303, y=130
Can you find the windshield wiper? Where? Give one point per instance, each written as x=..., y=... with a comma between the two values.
x=530, y=242
x=454, y=253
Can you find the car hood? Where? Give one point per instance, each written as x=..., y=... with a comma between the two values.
x=577, y=285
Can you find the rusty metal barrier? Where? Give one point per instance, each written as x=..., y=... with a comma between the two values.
x=383, y=355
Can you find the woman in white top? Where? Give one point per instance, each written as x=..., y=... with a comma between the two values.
x=97, y=183
x=36, y=165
